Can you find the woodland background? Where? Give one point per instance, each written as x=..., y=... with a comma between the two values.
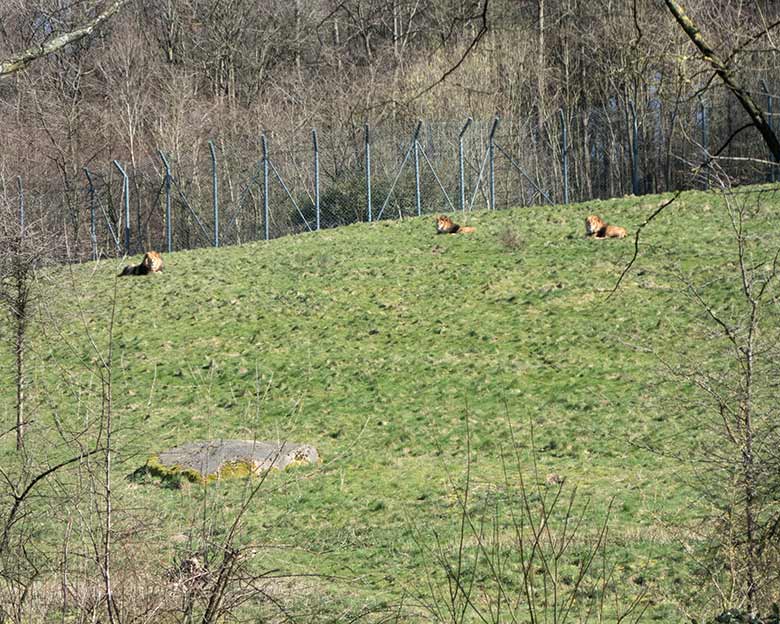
x=174, y=74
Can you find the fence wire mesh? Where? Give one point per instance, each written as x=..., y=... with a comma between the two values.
x=231, y=190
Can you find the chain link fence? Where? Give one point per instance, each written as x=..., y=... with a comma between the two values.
x=228, y=192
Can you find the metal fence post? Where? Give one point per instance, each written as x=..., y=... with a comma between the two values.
x=565, y=157
x=368, y=172
x=21, y=206
x=126, y=193
x=705, y=140
x=214, y=192
x=417, y=197
x=266, y=211
x=492, y=159
x=92, y=224
x=316, y=145
x=773, y=172
x=770, y=122
x=634, y=151
x=139, y=236
x=461, y=176
x=168, y=225
x=769, y=113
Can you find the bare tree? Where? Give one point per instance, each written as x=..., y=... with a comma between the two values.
x=521, y=553
x=735, y=461
x=23, y=250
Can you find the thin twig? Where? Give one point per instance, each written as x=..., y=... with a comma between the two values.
x=630, y=264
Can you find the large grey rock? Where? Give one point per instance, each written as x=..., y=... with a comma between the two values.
x=212, y=458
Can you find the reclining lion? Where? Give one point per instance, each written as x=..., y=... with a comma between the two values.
x=596, y=227
x=152, y=263
x=445, y=225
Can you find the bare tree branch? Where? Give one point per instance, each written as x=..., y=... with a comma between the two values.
x=20, y=497
x=741, y=47
x=628, y=266
x=483, y=18
x=725, y=73
x=23, y=59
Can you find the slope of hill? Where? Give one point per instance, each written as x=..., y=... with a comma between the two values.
x=376, y=343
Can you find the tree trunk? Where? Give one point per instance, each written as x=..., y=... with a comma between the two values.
x=19, y=347
x=20, y=310
x=748, y=466
x=541, y=76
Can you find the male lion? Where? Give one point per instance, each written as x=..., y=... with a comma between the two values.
x=152, y=263
x=445, y=225
x=597, y=228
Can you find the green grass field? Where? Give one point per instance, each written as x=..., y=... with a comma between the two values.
x=376, y=343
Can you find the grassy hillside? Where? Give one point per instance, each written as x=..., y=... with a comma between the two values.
x=375, y=343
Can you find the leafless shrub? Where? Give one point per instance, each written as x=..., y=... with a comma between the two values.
x=73, y=546
x=522, y=553
x=730, y=310
x=24, y=250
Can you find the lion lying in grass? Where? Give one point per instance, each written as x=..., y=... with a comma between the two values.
x=445, y=225
x=152, y=263
x=596, y=227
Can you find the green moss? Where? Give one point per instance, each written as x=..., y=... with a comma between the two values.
x=174, y=473
x=240, y=469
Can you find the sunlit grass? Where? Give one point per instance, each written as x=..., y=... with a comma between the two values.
x=374, y=343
